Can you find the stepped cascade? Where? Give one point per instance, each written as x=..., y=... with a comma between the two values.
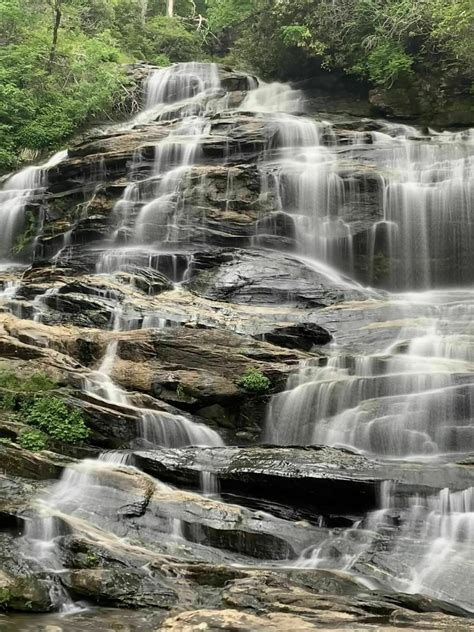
x=265, y=316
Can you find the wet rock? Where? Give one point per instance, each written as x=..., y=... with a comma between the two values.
x=26, y=594
x=300, y=336
x=215, y=523
x=130, y=504
x=121, y=588
x=232, y=80
x=324, y=479
x=264, y=278
x=147, y=280
x=229, y=619
x=17, y=461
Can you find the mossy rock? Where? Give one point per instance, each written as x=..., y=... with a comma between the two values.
x=26, y=594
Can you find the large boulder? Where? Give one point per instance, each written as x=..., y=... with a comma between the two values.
x=17, y=461
x=267, y=278
x=26, y=594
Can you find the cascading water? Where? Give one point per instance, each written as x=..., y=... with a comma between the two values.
x=15, y=195
x=431, y=550
x=412, y=398
x=399, y=386
x=412, y=394
x=420, y=233
x=154, y=428
x=149, y=206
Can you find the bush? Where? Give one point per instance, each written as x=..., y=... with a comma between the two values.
x=56, y=419
x=35, y=383
x=254, y=381
x=168, y=36
x=33, y=440
x=15, y=391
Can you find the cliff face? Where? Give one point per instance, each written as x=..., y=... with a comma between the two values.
x=211, y=286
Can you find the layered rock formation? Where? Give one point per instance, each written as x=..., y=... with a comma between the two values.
x=272, y=444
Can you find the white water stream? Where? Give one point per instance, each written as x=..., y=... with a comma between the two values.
x=405, y=394
x=15, y=194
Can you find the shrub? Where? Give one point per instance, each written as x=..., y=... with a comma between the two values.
x=35, y=383
x=55, y=418
x=168, y=38
x=15, y=391
x=33, y=440
x=254, y=381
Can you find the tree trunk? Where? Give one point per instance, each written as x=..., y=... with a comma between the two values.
x=170, y=8
x=54, y=42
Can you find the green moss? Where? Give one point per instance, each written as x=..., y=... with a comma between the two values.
x=380, y=267
x=5, y=597
x=91, y=560
x=33, y=402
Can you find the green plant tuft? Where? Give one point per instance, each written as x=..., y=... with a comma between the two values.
x=91, y=560
x=33, y=440
x=255, y=381
x=55, y=418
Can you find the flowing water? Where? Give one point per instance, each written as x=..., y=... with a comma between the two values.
x=15, y=194
x=392, y=208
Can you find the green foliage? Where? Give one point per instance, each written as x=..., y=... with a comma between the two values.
x=383, y=41
x=48, y=91
x=169, y=37
x=5, y=597
x=254, y=381
x=91, y=560
x=14, y=390
x=56, y=419
x=33, y=402
x=5, y=441
x=54, y=81
x=226, y=14
x=33, y=440
x=387, y=63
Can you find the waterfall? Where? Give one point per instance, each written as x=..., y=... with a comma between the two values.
x=421, y=233
x=150, y=206
x=15, y=195
x=433, y=543
x=385, y=206
x=154, y=428
x=414, y=398
x=428, y=203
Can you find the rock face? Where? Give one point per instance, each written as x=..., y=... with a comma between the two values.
x=325, y=479
x=198, y=281
x=265, y=278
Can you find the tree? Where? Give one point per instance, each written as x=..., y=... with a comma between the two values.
x=56, y=6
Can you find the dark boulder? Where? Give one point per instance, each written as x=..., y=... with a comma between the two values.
x=300, y=336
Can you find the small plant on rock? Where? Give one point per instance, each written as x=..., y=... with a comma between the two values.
x=52, y=416
x=91, y=560
x=255, y=381
x=33, y=440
